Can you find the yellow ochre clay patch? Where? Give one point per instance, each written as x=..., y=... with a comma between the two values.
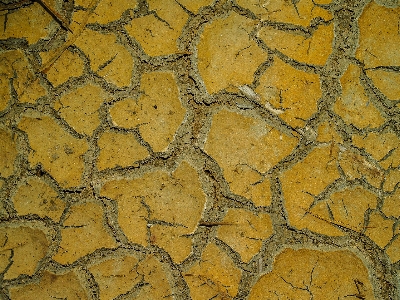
x=52, y=286
x=293, y=92
x=116, y=276
x=215, y=276
x=157, y=113
x=303, y=273
x=244, y=231
x=158, y=35
x=36, y=197
x=306, y=179
x=8, y=153
x=23, y=247
x=176, y=199
x=84, y=223
x=119, y=149
x=113, y=63
x=58, y=151
x=14, y=66
x=224, y=48
x=80, y=107
x=354, y=106
x=29, y=22
x=237, y=141
x=379, y=36
x=68, y=65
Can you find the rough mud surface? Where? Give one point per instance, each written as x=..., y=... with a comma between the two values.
x=199, y=149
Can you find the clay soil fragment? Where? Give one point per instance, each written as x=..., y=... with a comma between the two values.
x=311, y=274
x=119, y=149
x=249, y=183
x=293, y=92
x=215, y=276
x=8, y=153
x=79, y=108
x=158, y=36
x=349, y=206
x=68, y=65
x=313, y=50
x=14, y=65
x=391, y=180
x=353, y=105
x=109, y=11
x=224, y=49
x=84, y=224
x=50, y=287
x=23, y=247
x=305, y=179
x=107, y=57
x=384, y=147
x=116, y=276
x=387, y=82
x=300, y=12
x=393, y=250
x=155, y=278
x=327, y=133
x=36, y=197
x=245, y=231
x=379, y=36
x=380, y=229
x=57, y=150
x=239, y=142
x=30, y=22
x=195, y=5
x=134, y=278
x=355, y=165
x=175, y=198
x=391, y=205
x=200, y=149
x=157, y=113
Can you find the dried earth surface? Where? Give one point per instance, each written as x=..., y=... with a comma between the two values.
x=200, y=149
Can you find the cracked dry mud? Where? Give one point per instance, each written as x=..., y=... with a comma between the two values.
x=200, y=149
